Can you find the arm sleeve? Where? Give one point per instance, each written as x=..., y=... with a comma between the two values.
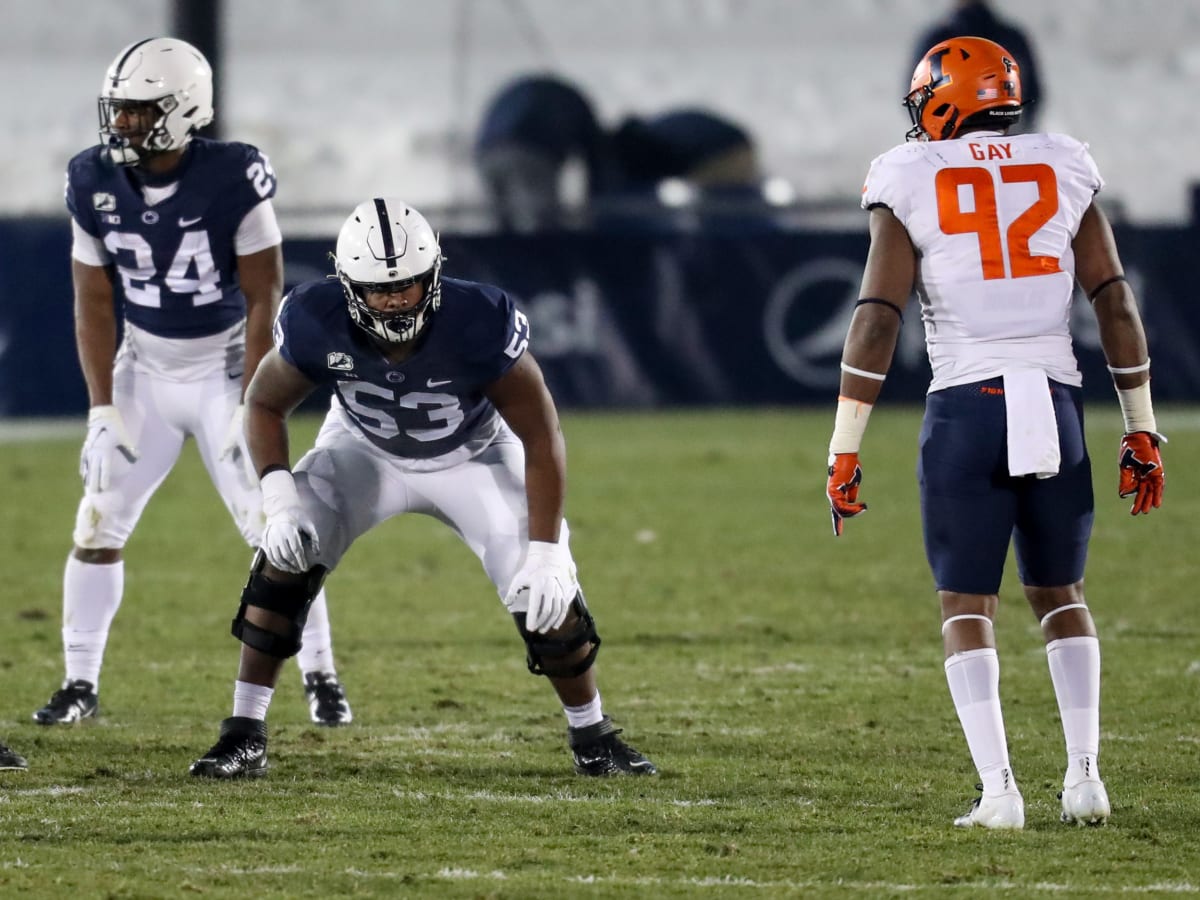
x=258, y=230
x=87, y=249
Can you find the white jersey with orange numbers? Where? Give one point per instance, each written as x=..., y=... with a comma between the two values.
x=992, y=218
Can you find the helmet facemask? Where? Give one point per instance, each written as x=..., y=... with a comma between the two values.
x=157, y=139
x=915, y=103
x=393, y=327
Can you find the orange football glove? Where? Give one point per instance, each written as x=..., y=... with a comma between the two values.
x=1141, y=471
x=845, y=475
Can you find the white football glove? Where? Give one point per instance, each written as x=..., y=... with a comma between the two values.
x=106, y=437
x=289, y=535
x=236, y=450
x=549, y=576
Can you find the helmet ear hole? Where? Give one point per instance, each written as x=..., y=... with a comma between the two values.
x=951, y=126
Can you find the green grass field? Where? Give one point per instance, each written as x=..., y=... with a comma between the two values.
x=789, y=687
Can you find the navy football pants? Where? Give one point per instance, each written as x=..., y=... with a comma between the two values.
x=971, y=506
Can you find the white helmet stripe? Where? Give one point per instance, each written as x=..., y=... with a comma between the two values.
x=116, y=79
x=385, y=229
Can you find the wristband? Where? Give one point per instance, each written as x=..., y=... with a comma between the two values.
x=1130, y=370
x=1096, y=291
x=849, y=426
x=888, y=303
x=863, y=373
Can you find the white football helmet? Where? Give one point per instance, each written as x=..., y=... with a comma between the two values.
x=386, y=246
x=171, y=74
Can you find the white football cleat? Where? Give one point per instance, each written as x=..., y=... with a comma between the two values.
x=1003, y=810
x=1085, y=802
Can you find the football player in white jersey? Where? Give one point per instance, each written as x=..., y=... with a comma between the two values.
x=176, y=235
x=439, y=409
x=992, y=231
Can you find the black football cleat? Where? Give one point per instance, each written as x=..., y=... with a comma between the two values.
x=74, y=701
x=240, y=752
x=599, y=752
x=10, y=759
x=327, y=704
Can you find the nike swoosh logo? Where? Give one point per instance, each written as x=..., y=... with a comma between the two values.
x=184, y=223
x=434, y=383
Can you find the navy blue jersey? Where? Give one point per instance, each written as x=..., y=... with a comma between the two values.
x=176, y=260
x=428, y=404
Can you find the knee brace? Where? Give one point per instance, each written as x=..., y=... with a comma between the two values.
x=287, y=599
x=555, y=654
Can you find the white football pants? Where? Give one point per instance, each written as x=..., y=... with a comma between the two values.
x=348, y=486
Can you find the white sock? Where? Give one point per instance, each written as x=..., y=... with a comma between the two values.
x=1075, y=672
x=316, y=654
x=251, y=700
x=974, y=679
x=582, y=716
x=91, y=597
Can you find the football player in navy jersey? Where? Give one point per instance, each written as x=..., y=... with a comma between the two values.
x=439, y=408
x=175, y=234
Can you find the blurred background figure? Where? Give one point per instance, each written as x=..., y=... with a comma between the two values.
x=547, y=162
x=702, y=147
x=685, y=168
x=541, y=153
x=975, y=18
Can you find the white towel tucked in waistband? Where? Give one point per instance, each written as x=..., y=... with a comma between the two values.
x=1032, y=428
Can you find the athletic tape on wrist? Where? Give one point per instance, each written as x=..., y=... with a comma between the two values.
x=1137, y=410
x=278, y=492
x=849, y=426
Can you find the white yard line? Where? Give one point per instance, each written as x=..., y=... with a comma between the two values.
x=728, y=881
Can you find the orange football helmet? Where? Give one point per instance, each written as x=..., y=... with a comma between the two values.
x=965, y=81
